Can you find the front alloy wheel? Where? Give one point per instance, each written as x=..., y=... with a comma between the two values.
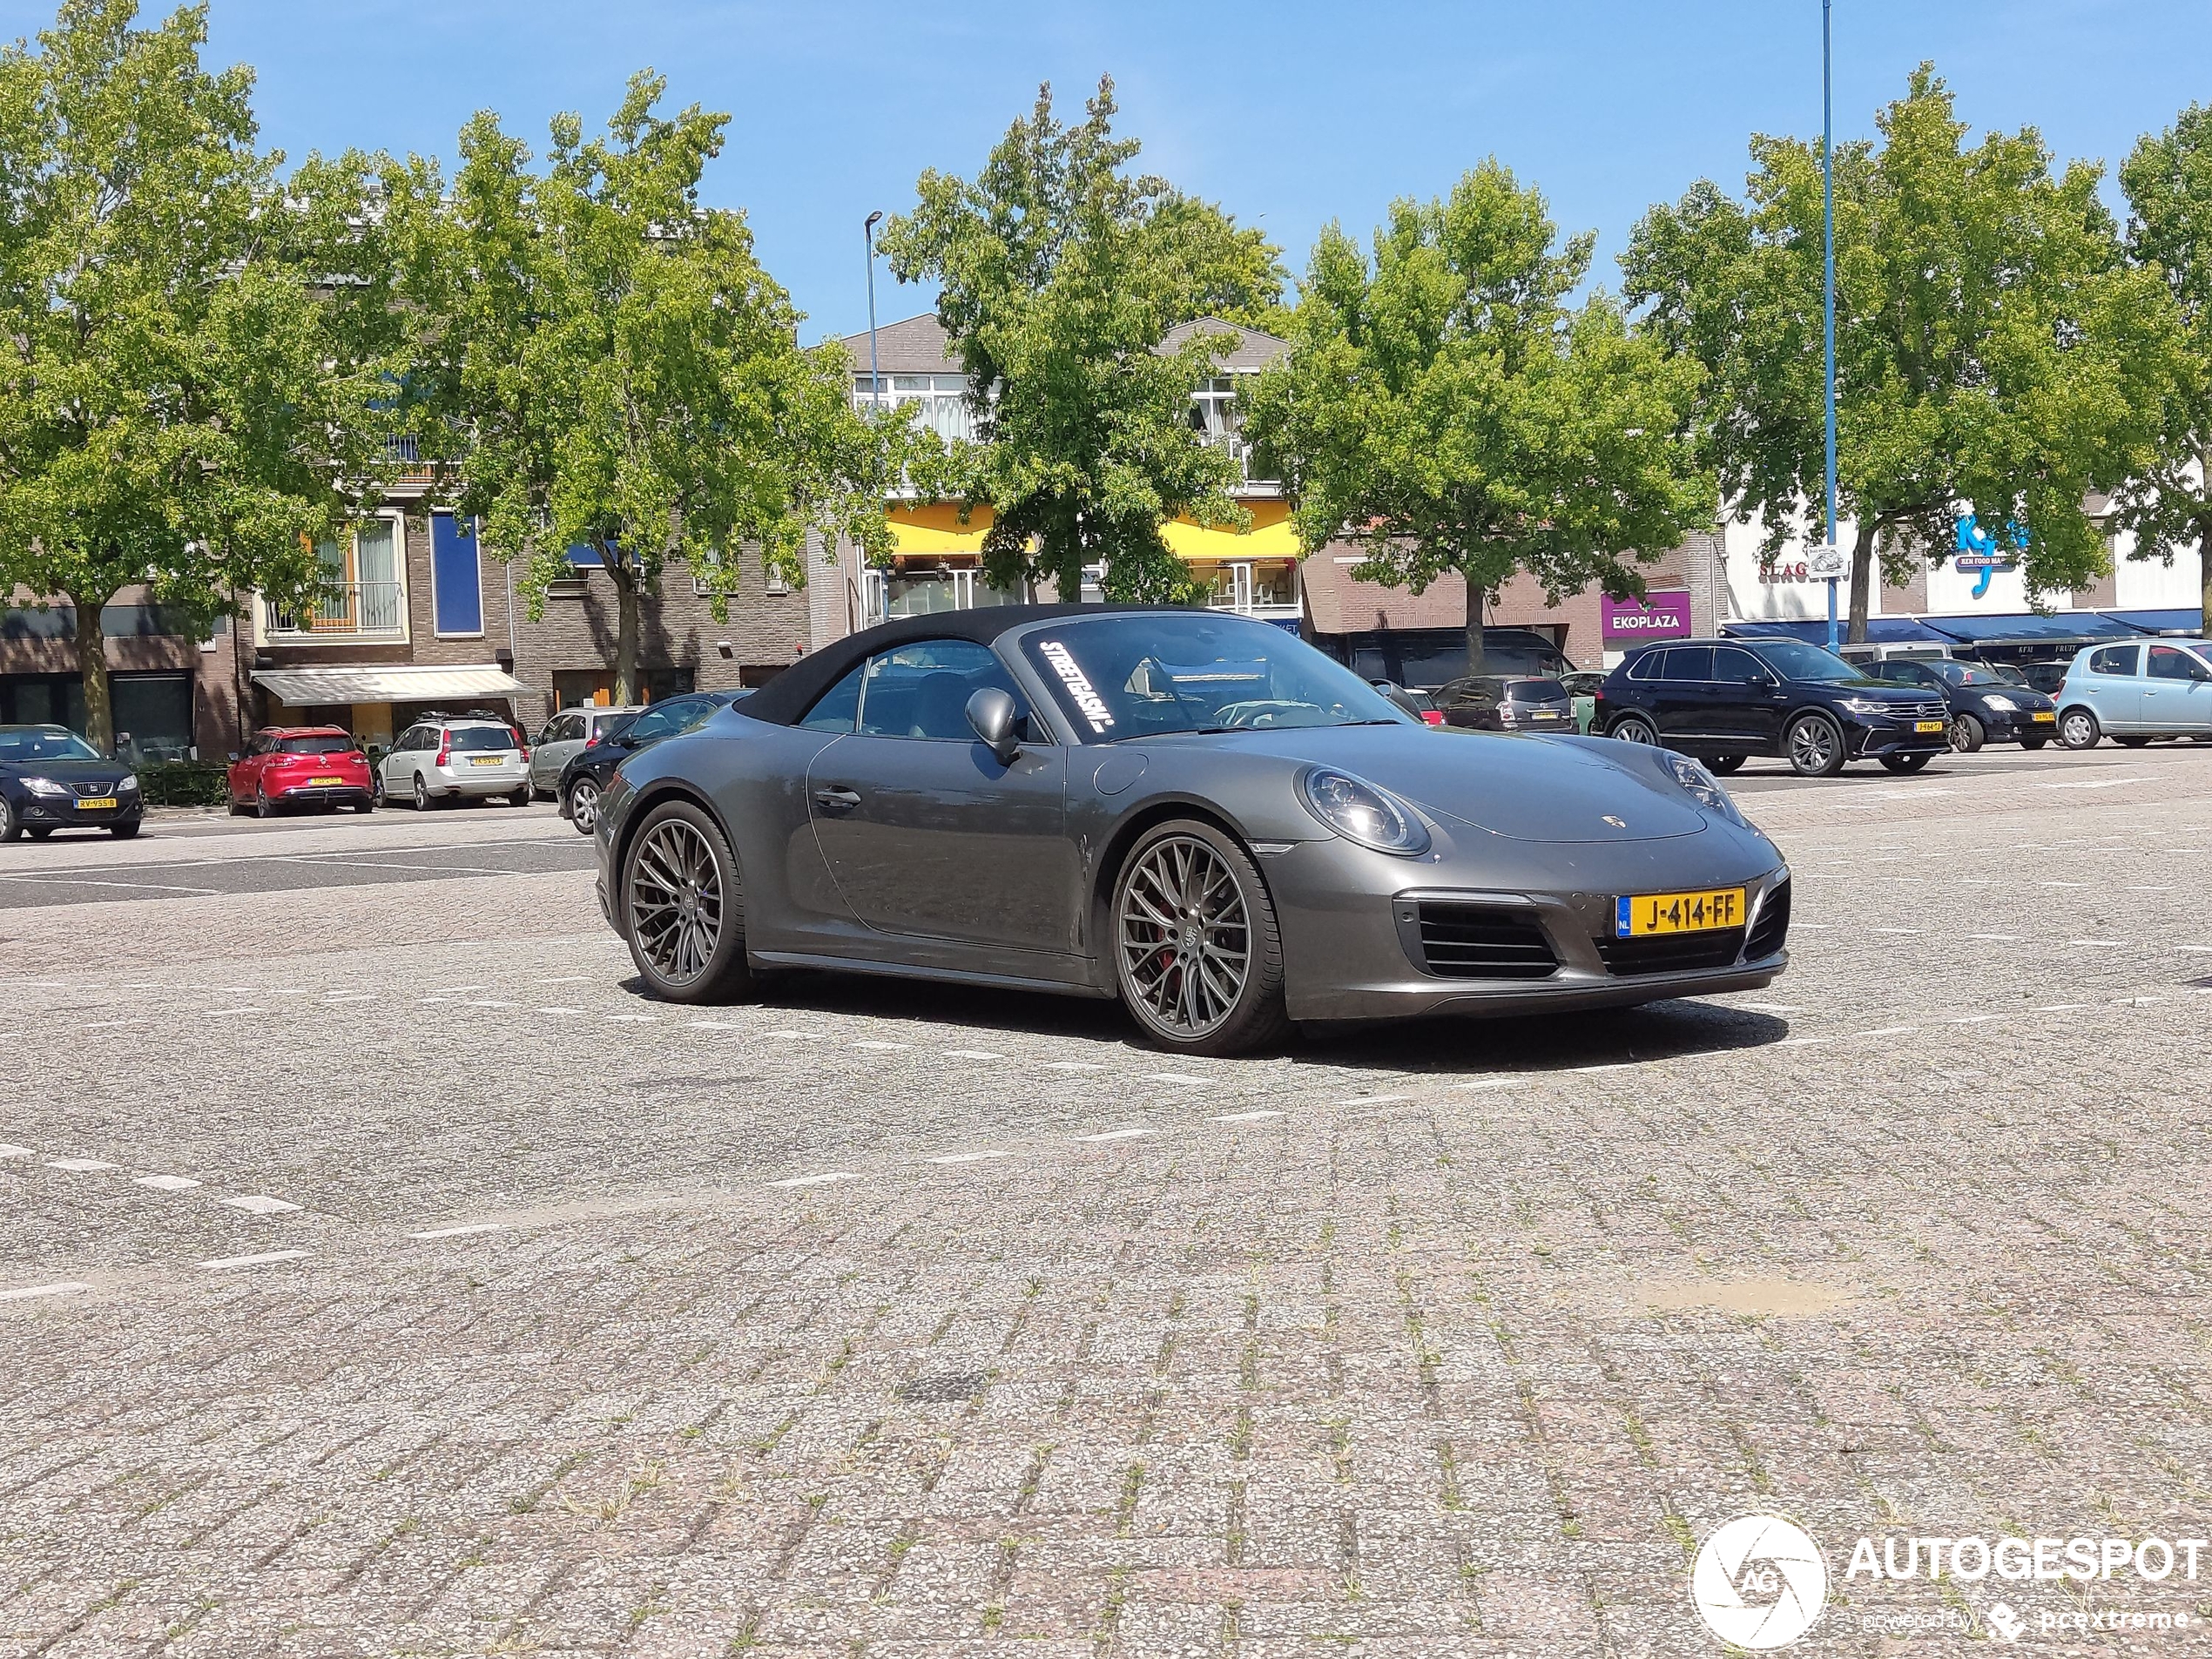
x=1815, y=745
x=583, y=806
x=683, y=907
x=1196, y=951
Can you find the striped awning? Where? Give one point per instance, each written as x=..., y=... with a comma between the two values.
x=386, y=683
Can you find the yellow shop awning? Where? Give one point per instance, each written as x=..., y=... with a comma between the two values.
x=934, y=528
x=1199, y=545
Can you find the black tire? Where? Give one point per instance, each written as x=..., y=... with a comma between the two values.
x=1814, y=746
x=1724, y=764
x=2132, y=742
x=237, y=806
x=583, y=806
x=368, y=806
x=11, y=827
x=1633, y=728
x=1148, y=933
x=2033, y=743
x=523, y=797
x=685, y=951
x=2078, y=728
x=1907, y=763
x=263, y=807
x=123, y=831
x=422, y=793
x=1967, y=733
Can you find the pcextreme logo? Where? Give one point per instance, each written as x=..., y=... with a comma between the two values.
x=1759, y=1582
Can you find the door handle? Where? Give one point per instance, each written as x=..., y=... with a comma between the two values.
x=837, y=800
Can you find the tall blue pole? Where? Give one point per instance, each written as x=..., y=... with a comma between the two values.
x=875, y=384
x=1828, y=283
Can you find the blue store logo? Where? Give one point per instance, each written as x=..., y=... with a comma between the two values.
x=1978, y=551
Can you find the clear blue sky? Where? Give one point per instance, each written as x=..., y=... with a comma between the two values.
x=1288, y=113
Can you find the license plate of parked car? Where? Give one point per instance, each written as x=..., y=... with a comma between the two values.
x=1927, y=725
x=1678, y=913
x=105, y=803
x=2047, y=716
x=324, y=783
x=484, y=760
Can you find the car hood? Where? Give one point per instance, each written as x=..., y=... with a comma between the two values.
x=1524, y=788
x=71, y=772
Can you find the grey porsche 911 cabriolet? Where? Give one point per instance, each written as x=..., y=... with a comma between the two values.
x=1196, y=812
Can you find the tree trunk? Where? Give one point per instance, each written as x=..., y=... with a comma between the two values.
x=92, y=664
x=1862, y=579
x=1476, y=661
x=627, y=604
x=2204, y=571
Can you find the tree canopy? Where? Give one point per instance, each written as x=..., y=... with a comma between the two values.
x=1060, y=274
x=603, y=363
x=1445, y=408
x=202, y=357
x=2168, y=502
x=1995, y=353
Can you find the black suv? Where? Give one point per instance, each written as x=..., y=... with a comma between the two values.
x=1721, y=699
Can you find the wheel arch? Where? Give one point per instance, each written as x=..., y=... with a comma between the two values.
x=650, y=795
x=1106, y=870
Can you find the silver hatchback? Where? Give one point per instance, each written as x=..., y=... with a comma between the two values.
x=445, y=760
x=569, y=732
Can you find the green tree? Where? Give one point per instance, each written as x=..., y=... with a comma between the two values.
x=2169, y=181
x=602, y=362
x=1994, y=352
x=1446, y=410
x=1059, y=273
x=198, y=352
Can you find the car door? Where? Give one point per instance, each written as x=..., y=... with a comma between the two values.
x=563, y=737
x=398, y=766
x=1683, y=703
x=2177, y=691
x=246, y=771
x=924, y=832
x=2114, y=687
x=1740, y=712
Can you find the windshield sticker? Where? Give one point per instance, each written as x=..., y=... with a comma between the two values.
x=1080, y=690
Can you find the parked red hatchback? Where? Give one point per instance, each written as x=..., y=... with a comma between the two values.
x=300, y=766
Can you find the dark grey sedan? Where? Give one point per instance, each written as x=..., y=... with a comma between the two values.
x=1195, y=813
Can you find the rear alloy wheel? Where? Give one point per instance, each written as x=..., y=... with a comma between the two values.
x=1633, y=728
x=2078, y=729
x=1815, y=746
x=422, y=793
x=1197, y=955
x=683, y=907
x=583, y=806
x=1907, y=763
x=1725, y=763
x=1967, y=733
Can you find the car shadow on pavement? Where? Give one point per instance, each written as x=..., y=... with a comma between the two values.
x=1516, y=1043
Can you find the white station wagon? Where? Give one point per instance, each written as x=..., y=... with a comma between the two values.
x=2152, y=688
x=445, y=759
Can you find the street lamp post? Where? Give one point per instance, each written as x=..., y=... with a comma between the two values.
x=876, y=383
x=1828, y=283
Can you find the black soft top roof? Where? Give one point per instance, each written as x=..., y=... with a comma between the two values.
x=787, y=697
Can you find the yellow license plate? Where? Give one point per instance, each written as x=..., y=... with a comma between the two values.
x=1706, y=911
x=105, y=803
x=1927, y=725
x=324, y=783
x=485, y=760
x=2047, y=716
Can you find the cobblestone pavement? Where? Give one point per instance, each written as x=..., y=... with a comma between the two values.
x=379, y=1273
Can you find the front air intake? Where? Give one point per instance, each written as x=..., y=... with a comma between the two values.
x=1771, y=931
x=1481, y=941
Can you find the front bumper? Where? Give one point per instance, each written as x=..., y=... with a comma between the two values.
x=1351, y=926
x=1871, y=738
x=62, y=811
x=2012, y=728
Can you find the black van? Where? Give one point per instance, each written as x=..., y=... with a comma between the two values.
x=1723, y=699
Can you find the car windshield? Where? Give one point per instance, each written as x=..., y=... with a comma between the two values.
x=38, y=744
x=1137, y=675
x=1959, y=674
x=1795, y=660
x=484, y=737
x=316, y=746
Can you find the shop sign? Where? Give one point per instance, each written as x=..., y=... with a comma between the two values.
x=1662, y=614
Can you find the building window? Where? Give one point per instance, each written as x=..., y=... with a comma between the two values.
x=595, y=687
x=939, y=402
x=152, y=717
x=359, y=593
x=456, y=576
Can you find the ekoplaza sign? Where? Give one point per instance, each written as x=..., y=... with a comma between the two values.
x=1662, y=614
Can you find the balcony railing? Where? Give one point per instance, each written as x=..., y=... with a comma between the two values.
x=341, y=611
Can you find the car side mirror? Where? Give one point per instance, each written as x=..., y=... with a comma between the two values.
x=236, y=757
x=992, y=713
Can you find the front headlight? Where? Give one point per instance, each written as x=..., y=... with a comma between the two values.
x=1998, y=701
x=1865, y=705
x=45, y=786
x=1702, y=785
x=129, y=786
x=1361, y=812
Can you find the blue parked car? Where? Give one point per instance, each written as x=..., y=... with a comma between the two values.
x=2154, y=688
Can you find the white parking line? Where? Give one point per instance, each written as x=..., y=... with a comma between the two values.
x=786, y=1033
x=821, y=1180
x=695, y=1025
x=1373, y=1100
x=165, y=1182
x=60, y=1287
x=971, y=1054
x=1073, y=1065
x=1967, y=1018
x=883, y=1045
x=2059, y=1008
x=1799, y=1042
x=1491, y=1083
x=1999, y=938
x=568, y=979
x=454, y=990
x=1246, y=1117
x=459, y=1232
x=631, y=1018
x=1112, y=1135
x=551, y=1008
x=966, y=1157
x=221, y=1262
x=8, y=1151
x=255, y=1204
x=2096, y=942
x=489, y=1002
x=2062, y=884
x=77, y=1166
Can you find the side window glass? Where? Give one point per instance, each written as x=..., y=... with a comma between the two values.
x=1648, y=667
x=695, y=715
x=663, y=721
x=2167, y=663
x=1689, y=662
x=2115, y=659
x=1732, y=666
x=836, y=709
x=922, y=689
